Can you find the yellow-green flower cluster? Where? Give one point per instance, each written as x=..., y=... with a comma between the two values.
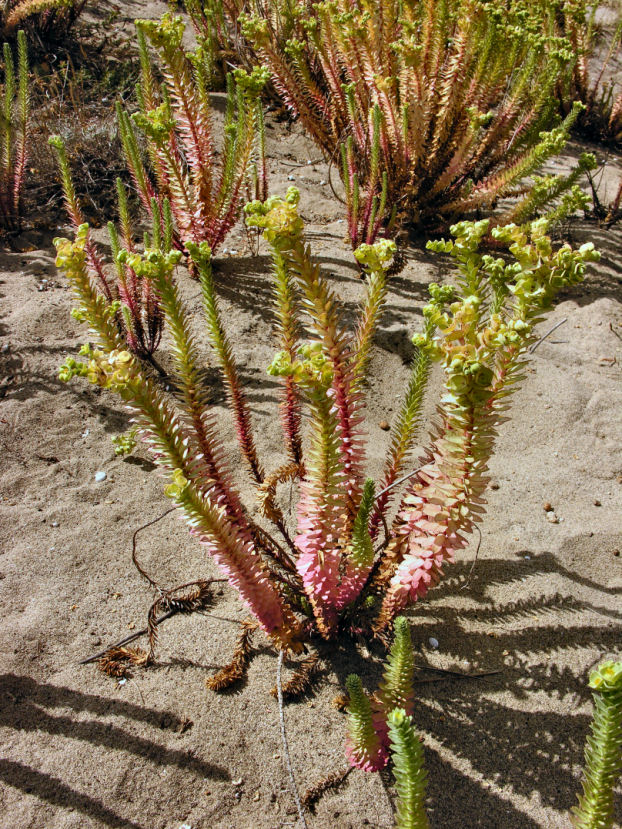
x=167, y=33
x=179, y=483
x=71, y=256
x=607, y=676
x=253, y=81
x=111, y=371
x=151, y=263
x=377, y=256
x=125, y=443
x=157, y=124
x=312, y=370
x=279, y=219
x=478, y=323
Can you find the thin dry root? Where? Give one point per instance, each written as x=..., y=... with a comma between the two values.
x=302, y=679
x=237, y=668
x=117, y=661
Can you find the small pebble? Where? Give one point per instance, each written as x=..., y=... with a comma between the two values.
x=527, y=558
x=433, y=642
x=384, y=425
x=616, y=553
x=494, y=485
x=547, y=507
x=256, y=796
x=122, y=681
x=237, y=782
x=5, y=348
x=100, y=476
x=597, y=503
x=322, y=183
x=309, y=161
x=54, y=524
x=552, y=518
x=290, y=177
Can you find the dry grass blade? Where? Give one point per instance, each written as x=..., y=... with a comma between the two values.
x=117, y=661
x=302, y=679
x=237, y=668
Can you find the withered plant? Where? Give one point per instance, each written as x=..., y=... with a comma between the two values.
x=347, y=566
x=175, y=118
x=429, y=110
x=44, y=21
x=130, y=296
x=590, y=81
x=13, y=135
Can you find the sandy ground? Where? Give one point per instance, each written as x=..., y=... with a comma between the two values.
x=538, y=606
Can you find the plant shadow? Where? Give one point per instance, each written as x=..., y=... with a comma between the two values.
x=27, y=705
x=491, y=749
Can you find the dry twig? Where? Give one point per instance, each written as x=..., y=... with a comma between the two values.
x=238, y=666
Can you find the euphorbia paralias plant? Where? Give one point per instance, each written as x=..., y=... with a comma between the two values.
x=428, y=110
x=130, y=293
x=334, y=571
x=380, y=727
x=205, y=186
x=13, y=135
x=381, y=731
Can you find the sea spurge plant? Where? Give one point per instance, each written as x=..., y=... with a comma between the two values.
x=589, y=81
x=131, y=291
x=13, y=135
x=44, y=21
x=409, y=771
x=333, y=570
x=218, y=26
x=429, y=110
x=175, y=118
x=380, y=729
x=482, y=333
x=603, y=751
x=367, y=745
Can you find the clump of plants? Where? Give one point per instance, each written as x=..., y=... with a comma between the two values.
x=602, y=117
x=45, y=22
x=129, y=297
x=175, y=119
x=429, y=111
x=14, y=135
x=217, y=24
x=345, y=566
